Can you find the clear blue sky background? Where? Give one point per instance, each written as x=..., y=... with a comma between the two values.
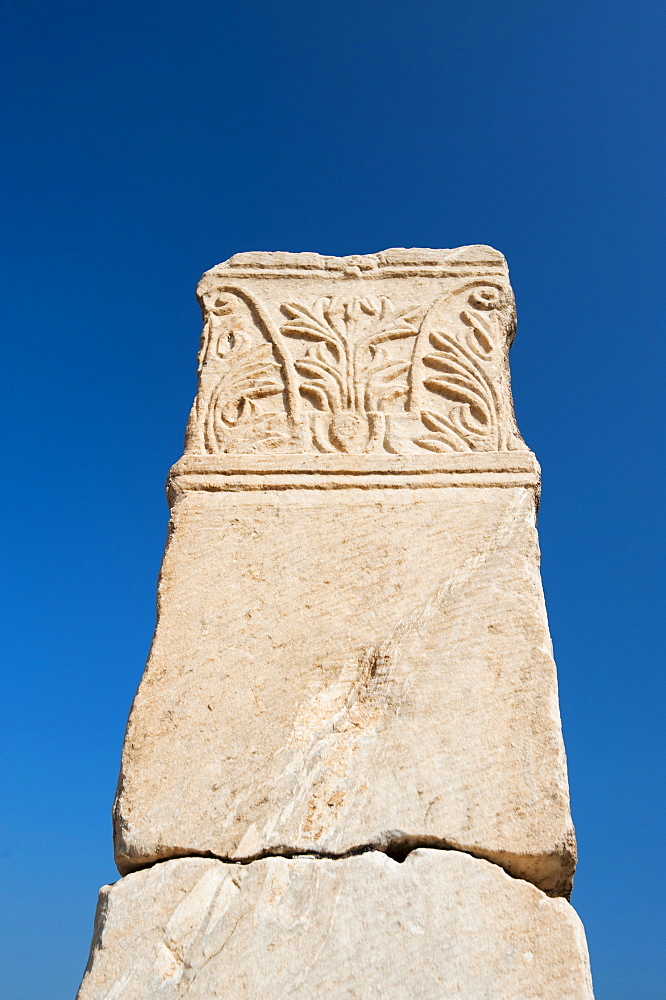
x=149, y=141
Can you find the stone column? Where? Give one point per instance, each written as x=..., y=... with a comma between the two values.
x=343, y=774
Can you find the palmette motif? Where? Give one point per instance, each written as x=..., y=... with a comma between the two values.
x=356, y=374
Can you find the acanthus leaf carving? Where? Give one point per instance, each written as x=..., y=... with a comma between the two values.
x=238, y=371
x=462, y=375
x=464, y=371
x=356, y=374
x=249, y=375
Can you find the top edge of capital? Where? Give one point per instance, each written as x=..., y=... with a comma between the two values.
x=394, y=258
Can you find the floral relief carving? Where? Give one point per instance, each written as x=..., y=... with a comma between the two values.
x=462, y=375
x=238, y=374
x=356, y=374
x=251, y=374
x=346, y=371
x=461, y=389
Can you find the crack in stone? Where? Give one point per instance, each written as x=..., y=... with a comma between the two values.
x=398, y=850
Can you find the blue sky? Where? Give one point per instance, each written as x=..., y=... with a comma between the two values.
x=145, y=143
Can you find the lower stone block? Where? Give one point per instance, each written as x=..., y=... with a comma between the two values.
x=438, y=926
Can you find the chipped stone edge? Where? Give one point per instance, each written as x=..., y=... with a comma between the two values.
x=395, y=262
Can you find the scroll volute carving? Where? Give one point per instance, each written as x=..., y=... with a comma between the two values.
x=241, y=405
x=460, y=384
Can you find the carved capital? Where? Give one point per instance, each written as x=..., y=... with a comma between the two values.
x=397, y=354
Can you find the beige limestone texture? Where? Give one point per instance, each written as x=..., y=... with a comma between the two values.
x=340, y=670
x=439, y=926
x=352, y=649
x=351, y=665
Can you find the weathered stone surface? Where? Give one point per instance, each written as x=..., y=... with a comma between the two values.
x=398, y=353
x=441, y=925
x=351, y=662
x=333, y=671
x=352, y=647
